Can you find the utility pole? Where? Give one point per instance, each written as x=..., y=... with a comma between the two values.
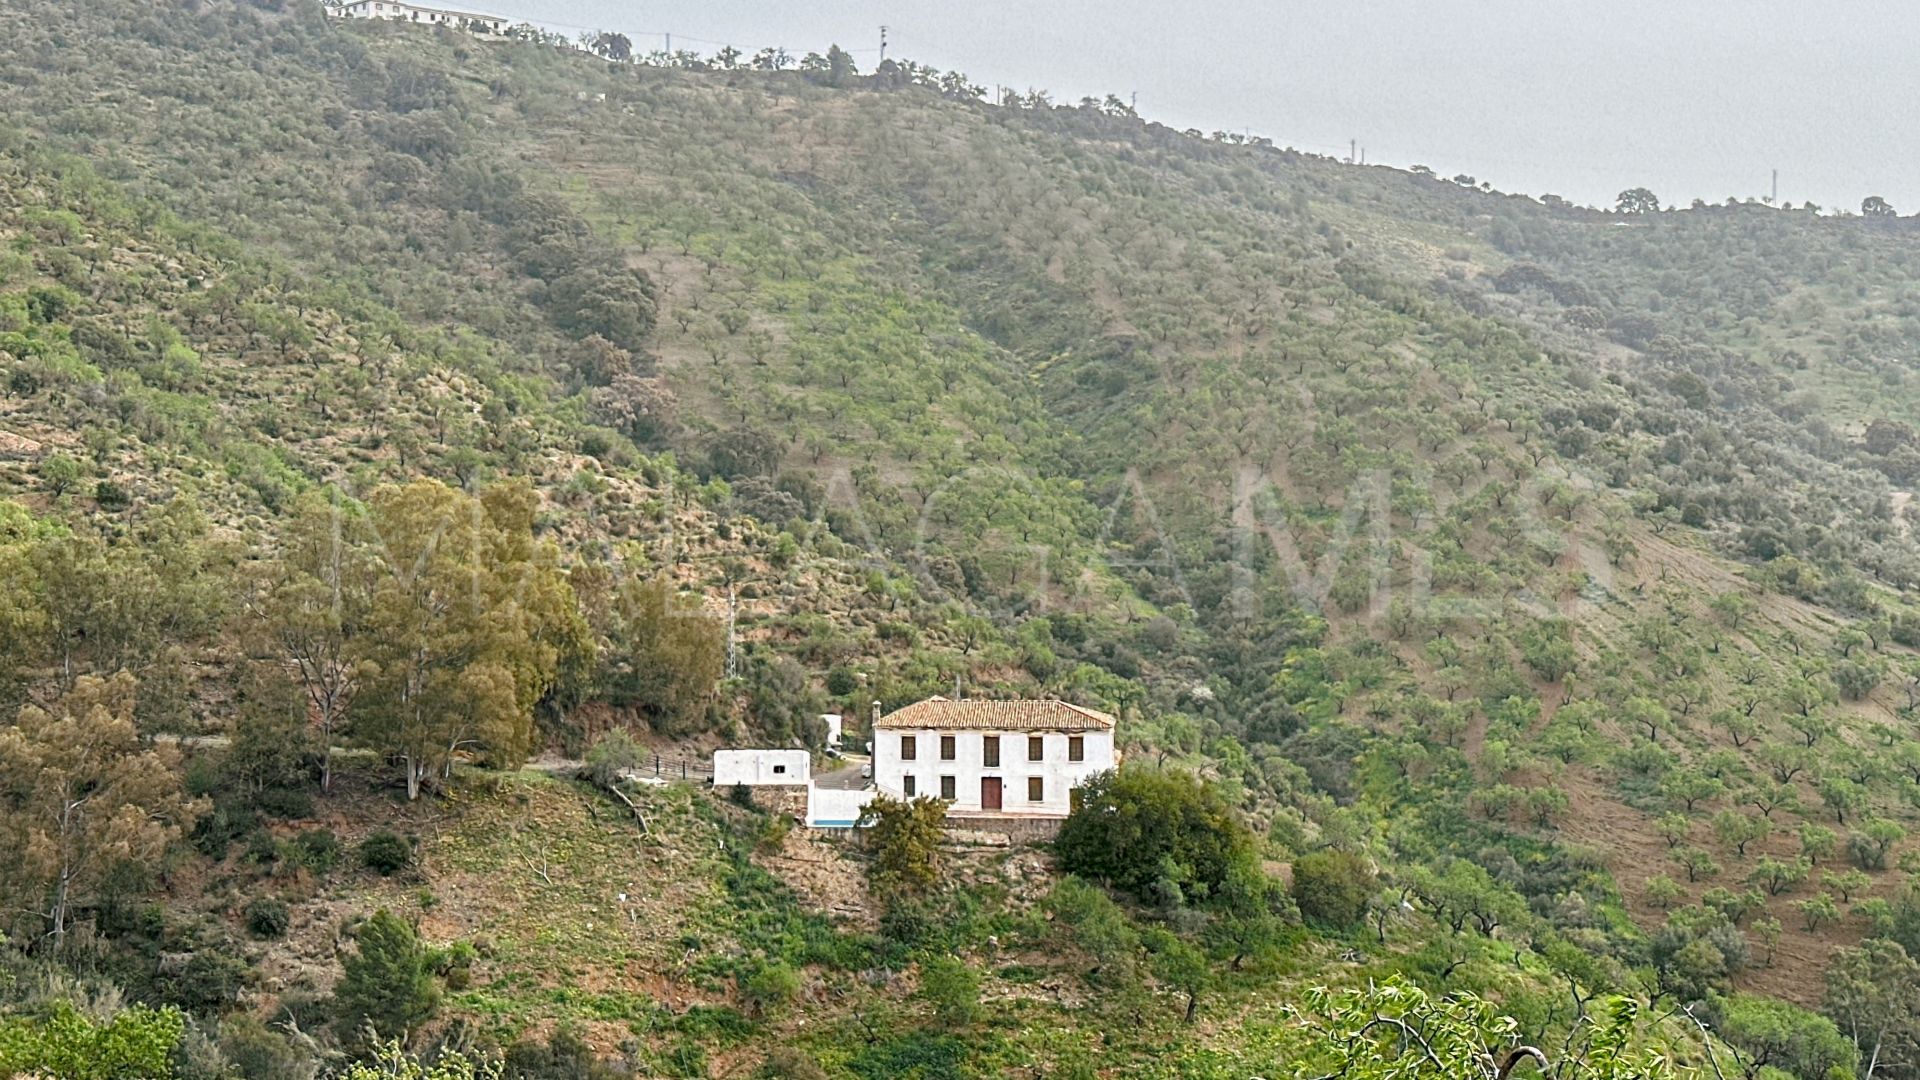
x=883, y=44
x=1353, y=151
x=1776, y=187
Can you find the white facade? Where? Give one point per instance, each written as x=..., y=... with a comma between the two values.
x=422, y=14
x=1025, y=760
x=833, y=808
x=834, y=724
x=760, y=768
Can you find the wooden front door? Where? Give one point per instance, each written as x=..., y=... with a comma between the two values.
x=989, y=793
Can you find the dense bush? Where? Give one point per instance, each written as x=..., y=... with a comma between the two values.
x=267, y=917
x=564, y=1056
x=786, y=1063
x=317, y=850
x=951, y=989
x=611, y=756
x=903, y=838
x=770, y=986
x=386, y=853
x=1162, y=836
x=1332, y=888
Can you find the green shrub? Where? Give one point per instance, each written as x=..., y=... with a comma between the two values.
x=268, y=917
x=286, y=804
x=317, y=850
x=386, y=853
x=1332, y=888
x=388, y=983
x=770, y=986
x=921, y=1054
x=111, y=496
x=952, y=989
x=217, y=831
x=454, y=964
x=1101, y=928
x=213, y=977
x=786, y=1063
x=904, y=839
x=770, y=835
x=250, y=1048
x=1163, y=836
x=611, y=755
x=715, y=1022
x=262, y=849
x=842, y=681
x=564, y=1056
x=1801, y=1042
x=58, y=472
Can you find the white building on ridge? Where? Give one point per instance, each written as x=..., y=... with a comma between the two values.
x=424, y=14
x=1010, y=758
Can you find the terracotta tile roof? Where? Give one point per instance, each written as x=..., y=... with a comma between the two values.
x=979, y=714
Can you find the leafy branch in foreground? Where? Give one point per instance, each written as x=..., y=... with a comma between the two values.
x=1392, y=1030
x=66, y=1043
x=392, y=1062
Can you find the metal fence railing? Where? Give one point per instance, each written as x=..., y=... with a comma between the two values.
x=668, y=768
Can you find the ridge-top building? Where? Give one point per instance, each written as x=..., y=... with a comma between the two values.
x=425, y=14
x=1010, y=758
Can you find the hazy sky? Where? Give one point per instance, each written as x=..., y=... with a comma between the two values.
x=1577, y=97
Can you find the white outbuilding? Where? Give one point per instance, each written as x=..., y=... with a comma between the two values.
x=762, y=768
x=1009, y=758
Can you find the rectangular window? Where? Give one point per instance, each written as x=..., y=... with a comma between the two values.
x=779, y=769
x=908, y=747
x=990, y=751
x=946, y=747
x=907, y=786
x=1036, y=748
x=1076, y=748
x=947, y=788
x=1036, y=789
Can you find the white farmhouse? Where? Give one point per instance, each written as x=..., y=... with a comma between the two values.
x=423, y=14
x=1010, y=758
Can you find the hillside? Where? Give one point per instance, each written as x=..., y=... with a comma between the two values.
x=1553, y=562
